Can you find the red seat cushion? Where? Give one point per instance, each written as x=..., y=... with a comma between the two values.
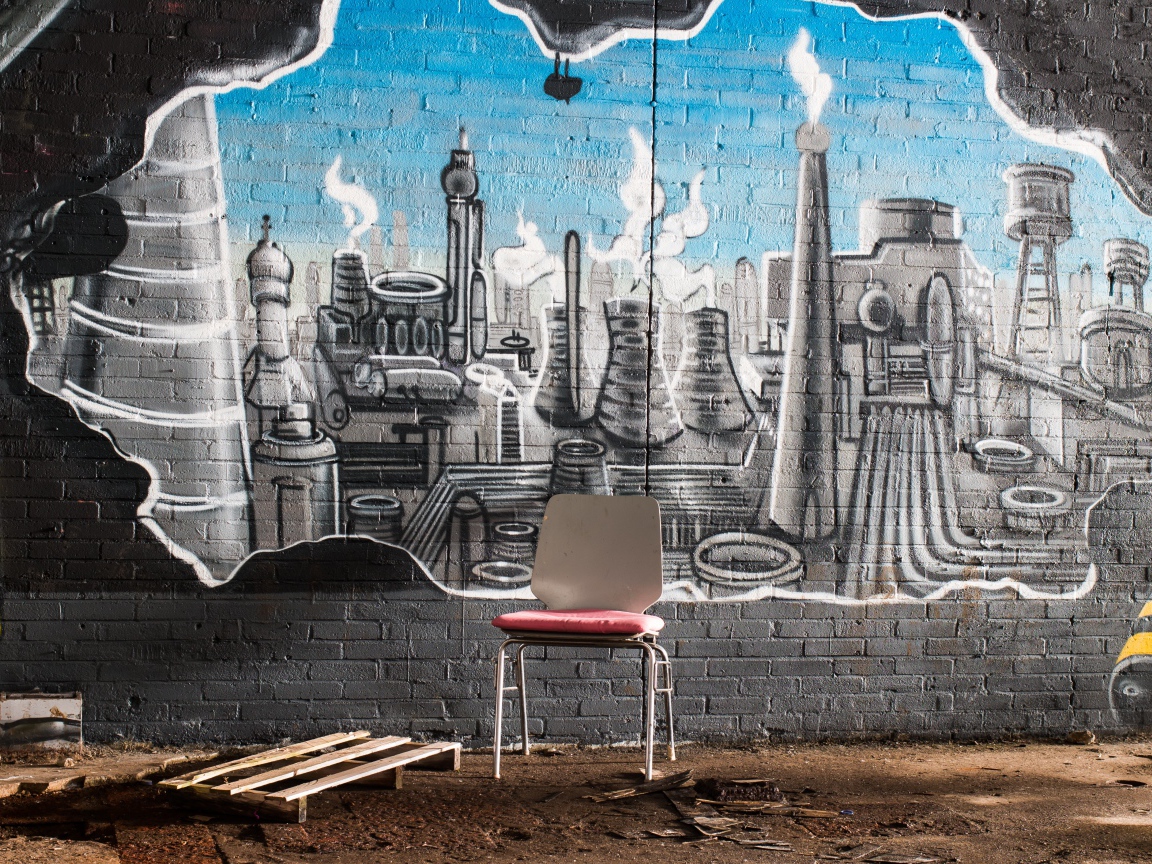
x=601, y=622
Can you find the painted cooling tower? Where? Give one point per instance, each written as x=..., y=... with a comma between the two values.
x=803, y=494
x=705, y=383
x=636, y=407
x=151, y=353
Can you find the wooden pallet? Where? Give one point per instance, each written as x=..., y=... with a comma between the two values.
x=276, y=783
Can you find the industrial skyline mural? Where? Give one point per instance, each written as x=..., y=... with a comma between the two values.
x=800, y=280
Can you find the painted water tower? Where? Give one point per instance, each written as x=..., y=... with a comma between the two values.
x=1040, y=218
x=1126, y=263
x=1116, y=341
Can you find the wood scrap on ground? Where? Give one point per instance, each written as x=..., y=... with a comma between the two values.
x=673, y=781
x=736, y=831
x=768, y=808
x=758, y=796
x=706, y=816
x=739, y=790
x=687, y=804
x=714, y=825
x=870, y=854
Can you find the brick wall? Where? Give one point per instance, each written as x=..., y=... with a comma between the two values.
x=252, y=491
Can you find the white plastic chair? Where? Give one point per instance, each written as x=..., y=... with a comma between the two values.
x=597, y=569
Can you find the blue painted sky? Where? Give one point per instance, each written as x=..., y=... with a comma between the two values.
x=907, y=115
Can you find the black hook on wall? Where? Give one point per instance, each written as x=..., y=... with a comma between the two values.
x=562, y=86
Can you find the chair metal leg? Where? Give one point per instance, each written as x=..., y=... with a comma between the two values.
x=499, y=711
x=521, y=685
x=649, y=708
x=666, y=664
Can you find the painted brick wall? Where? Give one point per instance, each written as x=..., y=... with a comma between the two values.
x=273, y=477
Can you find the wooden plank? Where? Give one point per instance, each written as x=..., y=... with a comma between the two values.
x=291, y=751
x=249, y=804
x=393, y=779
x=372, y=745
x=449, y=760
x=421, y=752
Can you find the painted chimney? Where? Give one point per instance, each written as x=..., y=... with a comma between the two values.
x=803, y=493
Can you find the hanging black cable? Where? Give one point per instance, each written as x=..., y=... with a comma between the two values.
x=651, y=246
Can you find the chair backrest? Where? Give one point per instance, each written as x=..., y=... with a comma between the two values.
x=599, y=552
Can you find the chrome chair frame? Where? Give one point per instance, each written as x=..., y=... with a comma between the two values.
x=656, y=664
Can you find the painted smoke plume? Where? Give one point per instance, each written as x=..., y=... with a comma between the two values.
x=518, y=268
x=643, y=197
x=644, y=201
x=358, y=204
x=814, y=84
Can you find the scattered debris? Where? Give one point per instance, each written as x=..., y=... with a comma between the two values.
x=853, y=853
x=874, y=855
x=755, y=837
x=687, y=805
x=701, y=842
x=810, y=813
x=713, y=825
x=667, y=832
x=772, y=808
x=734, y=831
x=1081, y=736
x=629, y=835
x=739, y=790
x=49, y=850
x=672, y=781
x=464, y=816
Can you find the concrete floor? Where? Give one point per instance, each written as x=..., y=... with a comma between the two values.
x=996, y=803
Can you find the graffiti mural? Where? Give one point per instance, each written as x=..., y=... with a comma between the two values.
x=863, y=340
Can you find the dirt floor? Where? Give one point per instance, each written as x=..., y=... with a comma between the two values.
x=899, y=803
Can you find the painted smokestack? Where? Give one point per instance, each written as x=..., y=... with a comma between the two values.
x=803, y=494
x=467, y=287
